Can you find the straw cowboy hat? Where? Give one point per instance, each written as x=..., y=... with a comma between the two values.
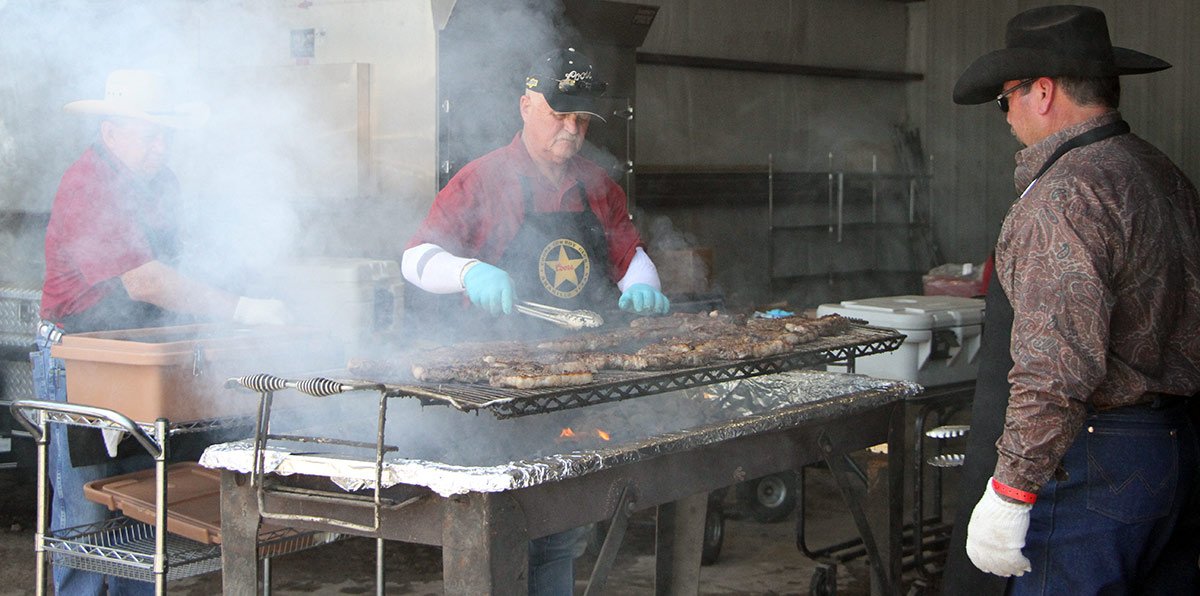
x=1051, y=41
x=141, y=94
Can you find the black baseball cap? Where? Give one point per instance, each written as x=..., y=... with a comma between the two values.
x=565, y=77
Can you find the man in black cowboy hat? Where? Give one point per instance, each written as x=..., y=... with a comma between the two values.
x=1091, y=351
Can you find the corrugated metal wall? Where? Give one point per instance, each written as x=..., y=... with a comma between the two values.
x=972, y=145
x=712, y=121
x=722, y=118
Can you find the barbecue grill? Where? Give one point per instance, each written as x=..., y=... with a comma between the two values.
x=608, y=386
x=482, y=513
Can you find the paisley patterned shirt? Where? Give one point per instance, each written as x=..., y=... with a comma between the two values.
x=1101, y=261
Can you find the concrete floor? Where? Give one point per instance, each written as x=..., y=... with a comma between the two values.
x=756, y=558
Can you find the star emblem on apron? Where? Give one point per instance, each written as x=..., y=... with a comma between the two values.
x=564, y=268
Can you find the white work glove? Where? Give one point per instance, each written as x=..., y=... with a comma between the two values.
x=996, y=535
x=256, y=311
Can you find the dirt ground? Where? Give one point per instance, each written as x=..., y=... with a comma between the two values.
x=756, y=557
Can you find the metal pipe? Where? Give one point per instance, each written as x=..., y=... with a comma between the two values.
x=160, y=509
x=841, y=198
x=380, y=583
x=43, y=504
x=774, y=67
x=770, y=216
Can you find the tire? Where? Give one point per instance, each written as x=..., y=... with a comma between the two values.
x=771, y=498
x=714, y=534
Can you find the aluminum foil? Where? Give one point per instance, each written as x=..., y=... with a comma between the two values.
x=701, y=416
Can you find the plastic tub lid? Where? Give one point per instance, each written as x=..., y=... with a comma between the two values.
x=911, y=312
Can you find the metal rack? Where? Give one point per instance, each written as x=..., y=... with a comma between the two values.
x=122, y=546
x=926, y=536
x=610, y=386
x=854, y=230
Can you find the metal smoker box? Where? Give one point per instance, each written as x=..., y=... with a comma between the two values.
x=179, y=372
x=943, y=340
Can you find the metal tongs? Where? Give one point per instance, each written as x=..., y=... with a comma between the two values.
x=569, y=319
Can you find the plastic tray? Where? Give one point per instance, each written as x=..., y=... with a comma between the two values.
x=193, y=499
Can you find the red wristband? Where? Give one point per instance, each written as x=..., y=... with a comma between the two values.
x=1013, y=493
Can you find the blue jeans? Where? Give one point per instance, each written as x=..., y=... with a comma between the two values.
x=552, y=562
x=68, y=507
x=1120, y=523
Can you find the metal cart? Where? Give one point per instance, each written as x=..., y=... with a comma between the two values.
x=122, y=546
x=926, y=536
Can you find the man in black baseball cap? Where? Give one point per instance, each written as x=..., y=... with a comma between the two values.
x=1081, y=441
x=536, y=221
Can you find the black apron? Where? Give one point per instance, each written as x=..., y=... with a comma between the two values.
x=557, y=258
x=989, y=407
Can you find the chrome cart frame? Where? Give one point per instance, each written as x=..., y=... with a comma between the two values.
x=122, y=546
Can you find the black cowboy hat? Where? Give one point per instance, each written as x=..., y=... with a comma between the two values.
x=1051, y=41
x=565, y=77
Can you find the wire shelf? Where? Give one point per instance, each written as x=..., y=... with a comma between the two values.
x=125, y=548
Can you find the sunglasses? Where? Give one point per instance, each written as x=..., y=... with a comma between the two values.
x=1002, y=99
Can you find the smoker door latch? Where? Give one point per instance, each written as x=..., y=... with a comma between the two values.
x=197, y=360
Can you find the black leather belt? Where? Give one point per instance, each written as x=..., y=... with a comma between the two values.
x=1162, y=401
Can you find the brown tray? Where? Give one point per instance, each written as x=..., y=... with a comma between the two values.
x=193, y=499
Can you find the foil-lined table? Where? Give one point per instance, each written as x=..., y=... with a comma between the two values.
x=483, y=512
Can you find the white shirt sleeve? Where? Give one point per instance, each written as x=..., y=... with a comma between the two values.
x=641, y=271
x=431, y=268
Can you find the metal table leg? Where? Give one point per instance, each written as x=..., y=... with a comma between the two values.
x=485, y=547
x=679, y=544
x=239, y=535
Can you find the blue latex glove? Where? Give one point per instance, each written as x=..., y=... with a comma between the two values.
x=643, y=300
x=490, y=288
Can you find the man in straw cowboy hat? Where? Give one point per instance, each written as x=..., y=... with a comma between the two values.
x=1091, y=352
x=110, y=251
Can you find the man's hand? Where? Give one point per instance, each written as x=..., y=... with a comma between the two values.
x=996, y=535
x=255, y=311
x=643, y=299
x=490, y=288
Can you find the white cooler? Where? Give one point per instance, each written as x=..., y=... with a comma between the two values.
x=357, y=300
x=943, y=332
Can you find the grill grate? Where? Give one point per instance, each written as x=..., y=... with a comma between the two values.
x=610, y=386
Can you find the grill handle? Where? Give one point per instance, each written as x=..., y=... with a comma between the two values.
x=315, y=386
x=266, y=385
